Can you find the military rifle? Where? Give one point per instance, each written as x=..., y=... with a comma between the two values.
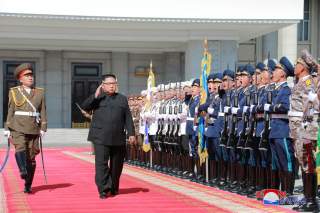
x=264, y=141
x=158, y=134
x=232, y=141
x=245, y=118
x=251, y=131
x=224, y=133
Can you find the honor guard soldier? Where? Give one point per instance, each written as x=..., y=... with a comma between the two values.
x=233, y=137
x=280, y=144
x=227, y=168
x=26, y=122
x=182, y=117
x=242, y=113
x=142, y=111
x=264, y=156
x=157, y=139
x=214, y=127
x=191, y=128
x=303, y=114
x=186, y=96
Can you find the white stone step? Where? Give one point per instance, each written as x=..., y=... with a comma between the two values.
x=60, y=137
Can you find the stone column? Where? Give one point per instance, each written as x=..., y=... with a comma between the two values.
x=119, y=67
x=54, y=88
x=270, y=45
x=228, y=55
x=287, y=42
x=194, y=53
x=172, y=67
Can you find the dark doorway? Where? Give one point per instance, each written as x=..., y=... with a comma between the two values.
x=86, y=78
x=10, y=81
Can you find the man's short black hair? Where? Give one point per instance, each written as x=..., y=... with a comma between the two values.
x=109, y=76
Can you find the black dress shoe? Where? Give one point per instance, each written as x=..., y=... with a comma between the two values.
x=309, y=206
x=114, y=192
x=103, y=195
x=27, y=189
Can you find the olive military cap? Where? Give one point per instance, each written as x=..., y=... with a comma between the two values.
x=21, y=68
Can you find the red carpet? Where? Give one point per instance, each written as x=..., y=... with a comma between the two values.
x=71, y=188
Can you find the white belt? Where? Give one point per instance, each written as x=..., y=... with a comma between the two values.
x=190, y=119
x=220, y=114
x=279, y=116
x=295, y=114
x=31, y=114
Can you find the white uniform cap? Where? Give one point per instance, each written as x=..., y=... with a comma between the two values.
x=143, y=92
x=155, y=89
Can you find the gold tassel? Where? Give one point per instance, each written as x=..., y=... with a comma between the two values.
x=15, y=99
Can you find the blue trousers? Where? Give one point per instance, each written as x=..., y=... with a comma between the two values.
x=282, y=153
x=214, y=149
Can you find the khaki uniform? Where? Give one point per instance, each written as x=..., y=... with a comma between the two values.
x=303, y=127
x=25, y=129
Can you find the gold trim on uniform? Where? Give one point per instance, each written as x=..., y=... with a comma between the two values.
x=18, y=104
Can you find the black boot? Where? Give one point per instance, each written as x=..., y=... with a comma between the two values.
x=275, y=180
x=290, y=179
x=21, y=159
x=310, y=194
x=223, y=177
x=252, y=179
x=31, y=168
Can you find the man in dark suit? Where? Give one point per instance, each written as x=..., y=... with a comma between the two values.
x=110, y=119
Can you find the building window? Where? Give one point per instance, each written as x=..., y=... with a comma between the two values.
x=86, y=69
x=304, y=25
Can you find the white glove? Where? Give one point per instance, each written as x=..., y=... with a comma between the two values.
x=6, y=133
x=210, y=110
x=226, y=109
x=251, y=108
x=245, y=109
x=195, y=128
x=312, y=96
x=266, y=107
x=205, y=129
x=234, y=110
x=42, y=133
x=196, y=110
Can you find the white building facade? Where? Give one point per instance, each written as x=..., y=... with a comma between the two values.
x=70, y=50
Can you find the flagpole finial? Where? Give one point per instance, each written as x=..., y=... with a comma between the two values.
x=151, y=65
x=205, y=44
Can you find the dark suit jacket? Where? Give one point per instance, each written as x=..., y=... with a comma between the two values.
x=111, y=116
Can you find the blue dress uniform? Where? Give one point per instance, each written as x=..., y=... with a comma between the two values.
x=242, y=112
x=280, y=144
x=228, y=168
x=264, y=156
x=213, y=130
x=191, y=130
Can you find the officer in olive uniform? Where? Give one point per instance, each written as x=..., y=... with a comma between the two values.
x=26, y=122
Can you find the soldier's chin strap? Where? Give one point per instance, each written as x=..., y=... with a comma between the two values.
x=41, y=152
x=3, y=165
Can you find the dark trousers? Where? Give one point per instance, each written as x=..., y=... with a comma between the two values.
x=108, y=163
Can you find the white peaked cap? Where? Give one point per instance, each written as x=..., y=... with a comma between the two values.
x=166, y=87
x=172, y=85
x=154, y=89
x=143, y=92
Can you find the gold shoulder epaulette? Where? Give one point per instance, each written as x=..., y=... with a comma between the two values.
x=16, y=87
x=308, y=82
x=39, y=88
